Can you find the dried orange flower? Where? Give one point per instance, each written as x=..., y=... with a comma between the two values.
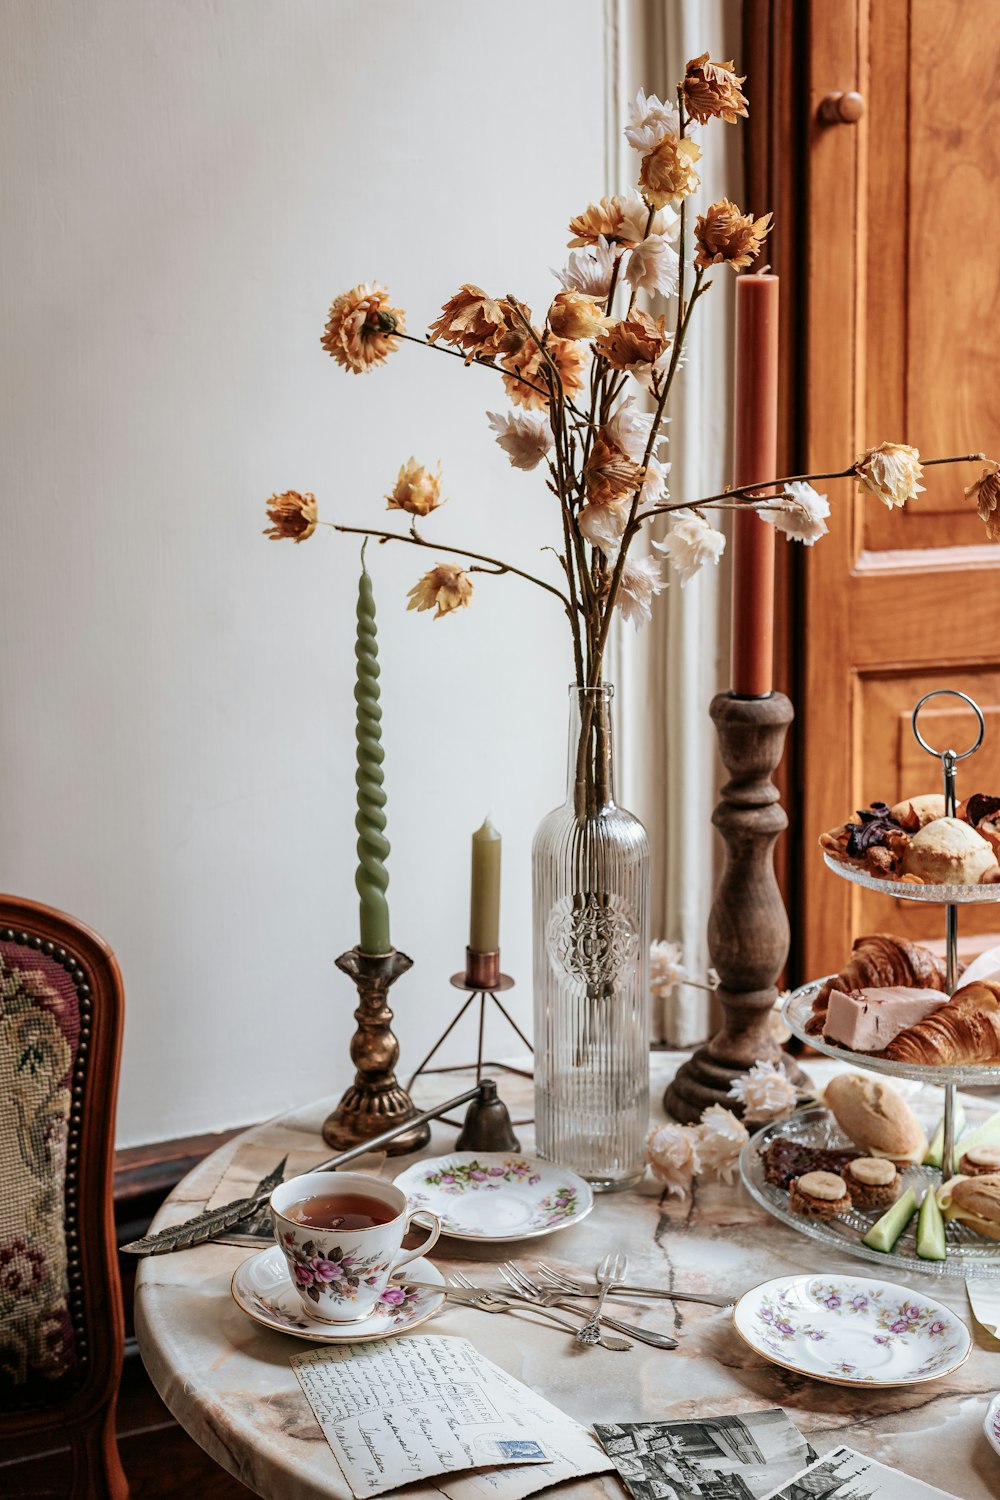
x=668, y=173
x=633, y=341
x=610, y=474
x=726, y=236
x=446, y=587
x=294, y=517
x=481, y=325
x=531, y=390
x=359, y=331
x=986, y=493
x=891, y=472
x=416, y=490
x=712, y=90
x=620, y=220
x=576, y=316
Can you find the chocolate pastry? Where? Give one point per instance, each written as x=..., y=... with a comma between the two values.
x=785, y=1159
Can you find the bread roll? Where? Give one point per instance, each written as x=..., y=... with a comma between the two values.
x=876, y=1118
x=966, y=1029
x=948, y=852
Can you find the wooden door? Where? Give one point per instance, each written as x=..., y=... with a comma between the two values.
x=886, y=233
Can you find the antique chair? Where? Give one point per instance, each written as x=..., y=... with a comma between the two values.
x=61, y=1328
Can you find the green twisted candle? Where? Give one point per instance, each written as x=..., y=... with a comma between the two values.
x=372, y=878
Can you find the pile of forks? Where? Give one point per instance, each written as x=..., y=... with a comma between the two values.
x=554, y=1289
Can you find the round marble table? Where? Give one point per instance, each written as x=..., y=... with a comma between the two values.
x=228, y=1381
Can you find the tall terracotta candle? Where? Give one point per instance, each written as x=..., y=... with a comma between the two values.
x=754, y=457
x=484, y=924
x=372, y=879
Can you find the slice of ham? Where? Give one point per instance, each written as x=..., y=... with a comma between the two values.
x=869, y=1019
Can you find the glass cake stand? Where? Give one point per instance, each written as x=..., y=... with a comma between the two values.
x=968, y=1252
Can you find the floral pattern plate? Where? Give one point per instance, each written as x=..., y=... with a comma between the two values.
x=991, y=1423
x=852, y=1330
x=262, y=1288
x=494, y=1196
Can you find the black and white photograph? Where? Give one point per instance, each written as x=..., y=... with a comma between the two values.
x=846, y=1475
x=739, y=1457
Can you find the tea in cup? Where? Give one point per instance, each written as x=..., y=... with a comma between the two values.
x=341, y=1236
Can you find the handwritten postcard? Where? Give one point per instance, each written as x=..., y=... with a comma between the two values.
x=431, y=1405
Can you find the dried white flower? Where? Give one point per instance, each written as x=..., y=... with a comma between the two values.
x=666, y=968
x=590, y=270
x=719, y=1140
x=640, y=581
x=525, y=436
x=890, y=471
x=649, y=120
x=690, y=543
x=799, y=512
x=629, y=429
x=635, y=224
x=766, y=1092
x=672, y=1154
x=652, y=266
x=654, y=486
x=604, y=525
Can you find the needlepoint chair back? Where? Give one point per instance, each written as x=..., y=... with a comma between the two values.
x=61, y=1325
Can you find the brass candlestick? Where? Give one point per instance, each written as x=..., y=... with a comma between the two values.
x=376, y=1101
x=748, y=925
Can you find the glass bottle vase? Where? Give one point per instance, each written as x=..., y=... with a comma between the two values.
x=590, y=890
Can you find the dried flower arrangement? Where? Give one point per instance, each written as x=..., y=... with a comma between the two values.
x=576, y=381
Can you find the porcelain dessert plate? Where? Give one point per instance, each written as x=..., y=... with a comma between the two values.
x=261, y=1287
x=496, y=1195
x=991, y=1423
x=852, y=1330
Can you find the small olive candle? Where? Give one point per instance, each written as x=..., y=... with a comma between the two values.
x=484, y=925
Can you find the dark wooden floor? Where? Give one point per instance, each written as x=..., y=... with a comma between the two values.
x=159, y=1458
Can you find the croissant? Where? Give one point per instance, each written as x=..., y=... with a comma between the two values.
x=964, y=1030
x=876, y=961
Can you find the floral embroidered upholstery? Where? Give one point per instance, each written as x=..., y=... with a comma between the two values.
x=39, y=1051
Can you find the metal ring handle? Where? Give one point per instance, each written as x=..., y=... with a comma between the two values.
x=949, y=693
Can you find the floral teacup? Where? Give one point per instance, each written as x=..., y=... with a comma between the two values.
x=342, y=1275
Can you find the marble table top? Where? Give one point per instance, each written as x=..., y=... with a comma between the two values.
x=229, y=1382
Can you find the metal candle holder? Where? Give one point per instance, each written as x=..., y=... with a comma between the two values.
x=376, y=1101
x=482, y=980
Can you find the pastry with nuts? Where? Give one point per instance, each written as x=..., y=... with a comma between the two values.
x=818, y=1195
x=915, y=842
x=873, y=1182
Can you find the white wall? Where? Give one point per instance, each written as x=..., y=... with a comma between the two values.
x=186, y=185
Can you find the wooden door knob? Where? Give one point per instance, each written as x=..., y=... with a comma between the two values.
x=842, y=109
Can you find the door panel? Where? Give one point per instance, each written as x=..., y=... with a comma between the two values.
x=896, y=297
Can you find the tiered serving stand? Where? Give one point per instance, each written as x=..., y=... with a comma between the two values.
x=969, y=1254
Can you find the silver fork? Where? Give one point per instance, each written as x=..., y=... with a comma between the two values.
x=496, y=1302
x=519, y=1282
x=608, y=1274
x=561, y=1282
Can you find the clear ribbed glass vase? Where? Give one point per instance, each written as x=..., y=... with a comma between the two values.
x=590, y=888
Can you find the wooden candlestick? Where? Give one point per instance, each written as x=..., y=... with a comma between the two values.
x=376, y=1101
x=748, y=925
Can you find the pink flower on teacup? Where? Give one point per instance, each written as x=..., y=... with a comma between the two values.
x=496, y=1171
x=477, y=1175
x=304, y=1275
x=911, y=1313
x=327, y=1270
x=900, y=1326
x=447, y=1177
x=832, y=1302
x=393, y=1296
x=937, y=1326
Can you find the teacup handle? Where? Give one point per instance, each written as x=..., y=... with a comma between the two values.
x=408, y=1255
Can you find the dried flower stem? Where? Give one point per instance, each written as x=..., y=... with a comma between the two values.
x=494, y=564
x=716, y=501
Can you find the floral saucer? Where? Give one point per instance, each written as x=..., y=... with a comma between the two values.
x=851, y=1330
x=495, y=1196
x=991, y=1423
x=261, y=1287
